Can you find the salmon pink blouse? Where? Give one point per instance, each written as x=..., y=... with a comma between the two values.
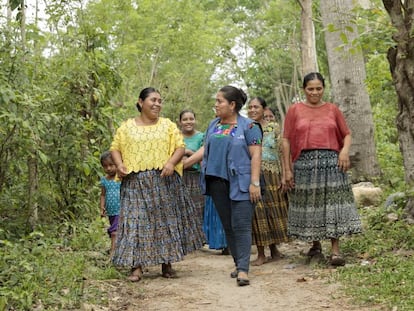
x=307, y=128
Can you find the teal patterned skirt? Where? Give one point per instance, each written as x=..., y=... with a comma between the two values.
x=156, y=221
x=322, y=205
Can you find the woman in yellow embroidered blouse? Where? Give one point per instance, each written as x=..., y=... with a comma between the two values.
x=156, y=224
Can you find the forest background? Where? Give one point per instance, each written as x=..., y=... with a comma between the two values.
x=71, y=72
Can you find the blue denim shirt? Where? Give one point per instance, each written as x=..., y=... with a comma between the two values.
x=238, y=159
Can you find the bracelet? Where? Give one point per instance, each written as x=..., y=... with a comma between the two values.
x=255, y=183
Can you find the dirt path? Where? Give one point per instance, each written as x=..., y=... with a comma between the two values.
x=204, y=284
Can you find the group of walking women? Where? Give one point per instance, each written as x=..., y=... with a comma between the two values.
x=237, y=166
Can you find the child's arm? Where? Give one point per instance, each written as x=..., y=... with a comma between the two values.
x=102, y=202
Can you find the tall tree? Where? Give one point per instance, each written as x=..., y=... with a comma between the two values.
x=347, y=76
x=273, y=69
x=401, y=59
x=308, y=46
x=173, y=48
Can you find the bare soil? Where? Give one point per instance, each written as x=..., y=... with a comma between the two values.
x=204, y=283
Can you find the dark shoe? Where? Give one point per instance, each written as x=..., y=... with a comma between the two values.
x=225, y=251
x=337, y=260
x=168, y=272
x=233, y=274
x=243, y=282
x=315, y=250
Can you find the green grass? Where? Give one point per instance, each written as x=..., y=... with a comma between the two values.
x=384, y=273
x=388, y=282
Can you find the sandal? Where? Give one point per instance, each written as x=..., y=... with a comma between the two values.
x=337, y=260
x=234, y=274
x=136, y=275
x=242, y=281
x=167, y=271
x=315, y=250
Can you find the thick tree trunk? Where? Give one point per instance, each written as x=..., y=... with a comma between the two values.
x=401, y=59
x=308, y=47
x=347, y=75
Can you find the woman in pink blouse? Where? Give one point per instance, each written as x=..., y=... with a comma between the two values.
x=316, y=142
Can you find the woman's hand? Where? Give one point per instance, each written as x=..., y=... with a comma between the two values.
x=343, y=158
x=188, y=152
x=168, y=169
x=121, y=170
x=288, y=182
x=255, y=194
x=343, y=161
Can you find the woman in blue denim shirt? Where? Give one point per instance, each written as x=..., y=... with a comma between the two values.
x=230, y=173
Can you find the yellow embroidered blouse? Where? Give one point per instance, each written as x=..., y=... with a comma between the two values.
x=147, y=147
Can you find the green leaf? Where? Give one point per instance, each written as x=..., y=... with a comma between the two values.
x=331, y=28
x=343, y=37
x=349, y=28
x=44, y=158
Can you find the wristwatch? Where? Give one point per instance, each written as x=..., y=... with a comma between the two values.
x=255, y=183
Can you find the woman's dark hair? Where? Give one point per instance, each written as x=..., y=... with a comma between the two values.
x=313, y=76
x=235, y=94
x=144, y=94
x=106, y=155
x=260, y=100
x=185, y=111
x=272, y=110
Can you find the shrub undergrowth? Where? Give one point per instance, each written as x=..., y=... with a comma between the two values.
x=384, y=272
x=47, y=271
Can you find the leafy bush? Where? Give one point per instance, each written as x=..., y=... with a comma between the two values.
x=49, y=271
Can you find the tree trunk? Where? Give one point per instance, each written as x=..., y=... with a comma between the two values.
x=33, y=188
x=23, y=23
x=347, y=75
x=9, y=12
x=32, y=157
x=308, y=47
x=401, y=59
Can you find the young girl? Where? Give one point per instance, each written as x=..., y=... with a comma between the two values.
x=110, y=198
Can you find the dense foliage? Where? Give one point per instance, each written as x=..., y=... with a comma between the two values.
x=65, y=89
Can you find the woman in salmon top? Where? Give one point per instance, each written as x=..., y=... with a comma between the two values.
x=316, y=142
